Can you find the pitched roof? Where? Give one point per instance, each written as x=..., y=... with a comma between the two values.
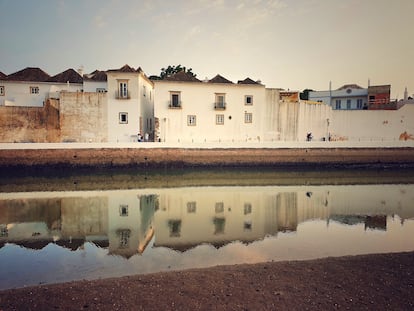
x=69, y=75
x=125, y=68
x=247, y=81
x=96, y=75
x=2, y=75
x=219, y=79
x=29, y=74
x=349, y=86
x=182, y=76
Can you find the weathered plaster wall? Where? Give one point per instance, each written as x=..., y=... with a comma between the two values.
x=83, y=117
x=30, y=124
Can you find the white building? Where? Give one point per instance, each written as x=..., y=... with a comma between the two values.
x=347, y=97
x=130, y=105
x=30, y=87
x=95, y=82
x=189, y=110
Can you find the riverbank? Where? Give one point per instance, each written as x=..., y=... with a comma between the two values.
x=159, y=155
x=366, y=282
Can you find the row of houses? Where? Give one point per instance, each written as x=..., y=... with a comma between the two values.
x=123, y=105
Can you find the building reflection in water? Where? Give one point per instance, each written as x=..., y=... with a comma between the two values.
x=126, y=221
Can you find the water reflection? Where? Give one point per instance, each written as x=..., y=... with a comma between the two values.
x=176, y=227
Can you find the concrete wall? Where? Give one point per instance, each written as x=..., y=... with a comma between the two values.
x=83, y=117
x=30, y=124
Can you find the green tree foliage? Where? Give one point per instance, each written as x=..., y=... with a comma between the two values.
x=304, y=95
x=170, y=70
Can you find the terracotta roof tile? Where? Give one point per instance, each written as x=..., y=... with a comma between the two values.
x=125, y=68
x=219, y=79
x=29, y=74
x=247, y=81
x=69, y=75
x=96, y=75
x=182, y=76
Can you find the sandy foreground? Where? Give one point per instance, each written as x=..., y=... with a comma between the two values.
x=367, y=282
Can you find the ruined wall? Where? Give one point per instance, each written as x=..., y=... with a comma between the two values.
x=83, y=117
x=30, y=124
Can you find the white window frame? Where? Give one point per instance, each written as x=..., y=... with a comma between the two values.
x=348, y=104
x=34, y=90
x=123, y=92
x=248, y=98
x=219, y=119
x=248, y=117
x=2, y=90
x=191, y=120
x=121, y=115
x=359, y=103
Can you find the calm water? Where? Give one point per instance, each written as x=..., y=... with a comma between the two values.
x=117, y=224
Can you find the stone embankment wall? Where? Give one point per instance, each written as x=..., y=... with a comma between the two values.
x=179, y=157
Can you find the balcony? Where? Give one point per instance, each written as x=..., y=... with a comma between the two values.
x=174, y=104
x=122, y=95
x=219, y=106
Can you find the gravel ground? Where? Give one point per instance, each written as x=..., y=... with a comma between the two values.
x=367, y=282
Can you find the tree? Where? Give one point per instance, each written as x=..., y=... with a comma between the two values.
x=170, y=70
x=304, y=95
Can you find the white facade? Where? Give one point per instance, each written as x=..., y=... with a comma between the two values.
x=130, y=105
x=33, y=94
x=209, y=112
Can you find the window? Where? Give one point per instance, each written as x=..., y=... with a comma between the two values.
x=338, y=104
x=123, y=210
x=191, y=120
x=100, y=90
x=219, y=118
x=219, y=208
x=1, y=90
x=34, y=90
x=348, y=104
x=219, y=225
x=248, y=100
x=123, y=117
x=175, y=227
x=124, y=235
x=247, y=208
x=191, y=207
x=248, y=117
x=220, y=102
x=175, y=100
x=123, y=90
x=359, y=103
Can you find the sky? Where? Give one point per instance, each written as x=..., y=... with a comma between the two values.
x=289, y=44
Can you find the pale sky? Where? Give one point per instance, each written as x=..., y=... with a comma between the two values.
x=291, y=44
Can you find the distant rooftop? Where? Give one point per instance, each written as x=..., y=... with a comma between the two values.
x=248, y=81
x=182, y=76
x=220, y=79
x=96, y=75
x=29, y=74
x=69, y=75
x=2, y=76
x=125, y=68
x=349, y=86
